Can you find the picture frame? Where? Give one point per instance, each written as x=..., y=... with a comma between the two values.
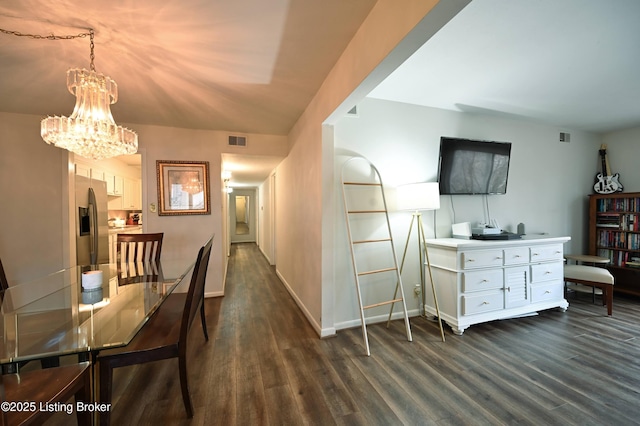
x=183, y=187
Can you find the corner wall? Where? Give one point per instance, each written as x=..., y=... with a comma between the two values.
x=622, y=151
x=303, y=236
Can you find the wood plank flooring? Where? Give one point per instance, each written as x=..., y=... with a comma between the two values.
x=264, y=365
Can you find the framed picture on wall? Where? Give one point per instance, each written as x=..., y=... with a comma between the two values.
x=183, y=187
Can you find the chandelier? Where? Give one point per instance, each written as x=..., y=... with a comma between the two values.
x=90, y=131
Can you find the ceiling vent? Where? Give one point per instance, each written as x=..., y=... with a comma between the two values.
x=237, y=141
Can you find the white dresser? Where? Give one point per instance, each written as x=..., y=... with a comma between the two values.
x=479, y=281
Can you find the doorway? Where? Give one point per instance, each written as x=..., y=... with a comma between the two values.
x=242, y=215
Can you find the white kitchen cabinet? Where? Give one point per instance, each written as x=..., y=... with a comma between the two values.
x=83, y=170
x=132, y=197
x=115, y=184
x=479, y=281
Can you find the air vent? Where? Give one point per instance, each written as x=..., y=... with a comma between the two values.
x=565, y=137
x=237, y=141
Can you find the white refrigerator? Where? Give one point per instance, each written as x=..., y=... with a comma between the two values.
x=92, y=227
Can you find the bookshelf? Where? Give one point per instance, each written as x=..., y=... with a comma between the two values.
x=614, y=232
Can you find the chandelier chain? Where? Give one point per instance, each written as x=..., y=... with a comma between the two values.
x=57, y=37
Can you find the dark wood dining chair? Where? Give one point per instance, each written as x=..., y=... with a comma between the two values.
x=139, y=247
x=164, y=336
x=4, y=284
x=50, y=386
x=138, y=257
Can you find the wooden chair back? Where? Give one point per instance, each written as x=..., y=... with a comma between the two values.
x=4, y=284
x=42, y=387
x=195, y=295
x=138, y=257
x=133, y=248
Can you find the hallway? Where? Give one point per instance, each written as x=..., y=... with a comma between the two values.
x=264, y=365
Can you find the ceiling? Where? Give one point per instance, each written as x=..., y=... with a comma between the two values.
x=570, y=63
x=252, y=66
x=246, y=66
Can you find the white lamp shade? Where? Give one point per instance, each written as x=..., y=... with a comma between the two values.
x=418, y=196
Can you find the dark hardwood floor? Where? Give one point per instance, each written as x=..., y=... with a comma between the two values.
x=264, y=365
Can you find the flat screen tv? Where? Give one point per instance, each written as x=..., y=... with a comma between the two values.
x=469, y=167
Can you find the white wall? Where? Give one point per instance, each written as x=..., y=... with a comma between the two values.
x=305, y=180
x=549, y=181
x=32, y=200
x=266, y=218
x=623, y=148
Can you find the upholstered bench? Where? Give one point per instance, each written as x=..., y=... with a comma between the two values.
x=594, y=277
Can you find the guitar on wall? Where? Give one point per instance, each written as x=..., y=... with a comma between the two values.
x=606, y=183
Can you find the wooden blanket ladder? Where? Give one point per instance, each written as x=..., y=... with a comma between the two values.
x=373, y=254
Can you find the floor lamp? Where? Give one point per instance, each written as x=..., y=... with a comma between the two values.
x=417, y=197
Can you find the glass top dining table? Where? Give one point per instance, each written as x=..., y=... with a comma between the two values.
x=79, y=310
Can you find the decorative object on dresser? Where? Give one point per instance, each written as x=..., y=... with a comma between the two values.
x=417, y=197
x=614, y=233
x=480, y=281
x=606, y=183
x=373, y=254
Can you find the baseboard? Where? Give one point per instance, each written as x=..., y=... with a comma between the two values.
x=303, y=308
x=376, y=319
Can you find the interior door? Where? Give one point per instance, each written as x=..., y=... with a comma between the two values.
x=243, y=214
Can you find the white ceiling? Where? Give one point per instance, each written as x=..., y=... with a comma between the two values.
x=252, y=66
x=570, y=63
x=245, y=66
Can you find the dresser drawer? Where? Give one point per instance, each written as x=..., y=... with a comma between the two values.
x=544, y=253
x=547, y=272
x=516, y=256
x=480, y=259
x=541, y=293
x=482, y=280
x=485, y=302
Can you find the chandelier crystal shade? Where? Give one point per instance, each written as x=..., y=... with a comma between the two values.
x=90, y=131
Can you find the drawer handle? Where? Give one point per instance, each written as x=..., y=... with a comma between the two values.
x=535, y=254
x=508, y=289
x=471, y=260
x=547, y=272
x=547, y=292
x=485, y=303
x=517, y=256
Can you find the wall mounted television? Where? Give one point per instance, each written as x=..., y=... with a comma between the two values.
x=471, y=167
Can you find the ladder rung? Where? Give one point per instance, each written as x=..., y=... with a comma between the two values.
x=361, y=183
x=366, y=211
x=377, y=271
x=371, y=241
x=388, y=302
